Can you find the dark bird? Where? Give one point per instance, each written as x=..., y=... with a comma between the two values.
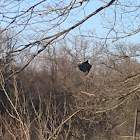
x=85, y=67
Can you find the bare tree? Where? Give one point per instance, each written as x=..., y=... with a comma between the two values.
x=43, y=19
x=55, y=101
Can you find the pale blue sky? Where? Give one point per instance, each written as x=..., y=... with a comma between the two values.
x=92, y=24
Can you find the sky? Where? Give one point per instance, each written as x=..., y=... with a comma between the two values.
x=96, y=21
x=93, y=24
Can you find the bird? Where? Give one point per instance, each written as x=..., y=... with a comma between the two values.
x=85, y=67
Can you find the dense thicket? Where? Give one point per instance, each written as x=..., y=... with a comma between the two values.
x=56, y=101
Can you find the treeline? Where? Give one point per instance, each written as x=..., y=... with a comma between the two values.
x=52, y=99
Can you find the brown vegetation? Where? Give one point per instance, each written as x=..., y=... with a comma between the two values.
x=43, y=95
x=58, y=102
